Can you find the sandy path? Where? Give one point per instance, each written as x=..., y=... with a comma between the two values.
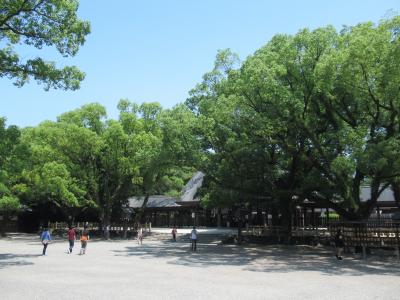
x=166, y=270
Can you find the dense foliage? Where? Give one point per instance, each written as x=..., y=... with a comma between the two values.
x=41, y=23
x=85, y=162
x=311, y=116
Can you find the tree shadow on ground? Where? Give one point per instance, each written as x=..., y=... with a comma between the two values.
x=274, y=258
x=10, y=260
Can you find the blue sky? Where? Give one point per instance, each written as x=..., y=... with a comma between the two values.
x=158, y=50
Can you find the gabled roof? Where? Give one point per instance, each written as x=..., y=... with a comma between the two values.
x=156, y=201
x=191, y=188
x=386, y=196
x=160, y=201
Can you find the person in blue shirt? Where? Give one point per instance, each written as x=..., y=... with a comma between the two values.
x=193, y=238
x=45, y=238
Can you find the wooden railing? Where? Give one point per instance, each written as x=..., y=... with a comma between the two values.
x=97, y=226
x=369, y=234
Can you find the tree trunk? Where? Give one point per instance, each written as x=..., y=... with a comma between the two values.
x=287, y=223
x=3, y=225
x=239, y=235
x=396, y=193
x=219, y=217
x=140, y=213
x=107, y=221
x=125, y=228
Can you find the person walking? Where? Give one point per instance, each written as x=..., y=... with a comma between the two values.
x=193, y=238
x=71, y=238
x=174, y=232
x=140, y=235
x=339, y=244
x=84, y=241
x=45, y=239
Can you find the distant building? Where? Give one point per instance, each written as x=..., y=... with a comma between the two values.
x=386, y=203
x=163, y=210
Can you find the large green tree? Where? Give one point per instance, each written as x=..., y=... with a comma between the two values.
x=166, y=147
x=58, y=168
x=9, y=168
x=41, y=23
x=319, y=110
x=147, y=151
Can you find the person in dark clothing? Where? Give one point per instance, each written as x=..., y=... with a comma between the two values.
x=339, y=244
x=174, y=231
x=71, y=238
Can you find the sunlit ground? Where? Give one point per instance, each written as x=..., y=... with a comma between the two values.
x=167, y=270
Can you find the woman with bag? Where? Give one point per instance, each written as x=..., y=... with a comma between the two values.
x=45, y=239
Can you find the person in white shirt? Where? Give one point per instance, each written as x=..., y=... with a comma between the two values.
x=193, y=238
x=140, y=236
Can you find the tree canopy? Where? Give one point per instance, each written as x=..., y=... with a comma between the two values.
x=86, y=162
x=41, y=23
x=311, y=116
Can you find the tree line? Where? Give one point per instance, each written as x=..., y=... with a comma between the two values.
x=84, y=161
x=312, y=116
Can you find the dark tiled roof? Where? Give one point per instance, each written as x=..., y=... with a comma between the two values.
x=385, y=196
x=188, y=197
x=190, y=191
x=156, y=201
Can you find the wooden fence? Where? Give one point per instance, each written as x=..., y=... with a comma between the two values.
x=115, y=227
x=369, y=234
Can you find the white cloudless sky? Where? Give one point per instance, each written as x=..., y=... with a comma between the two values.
x=158, y=50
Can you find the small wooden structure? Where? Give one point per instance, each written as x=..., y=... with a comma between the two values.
x=369, y=234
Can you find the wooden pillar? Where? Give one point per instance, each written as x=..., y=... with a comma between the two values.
x=327, y=217
x=364, y=251
x=313, y=216
x=265, y=219
x=219, y=217
x=398, y=242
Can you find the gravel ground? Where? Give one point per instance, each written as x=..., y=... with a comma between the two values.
x=167, y=270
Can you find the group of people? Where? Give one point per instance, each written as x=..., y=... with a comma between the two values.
x=193, y=237
x=45, y=238
x=174, y=232
x=84, y=238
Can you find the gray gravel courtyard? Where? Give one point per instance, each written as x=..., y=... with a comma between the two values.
x=166, y=270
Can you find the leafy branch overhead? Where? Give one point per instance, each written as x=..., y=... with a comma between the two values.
x=41, y=23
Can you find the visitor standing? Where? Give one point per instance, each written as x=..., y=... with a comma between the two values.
x=71, y=238
x=140, y=235
x=174, y=232
x=45, y=239
x=339, y=244
x=193, y=238
x=84, y=241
